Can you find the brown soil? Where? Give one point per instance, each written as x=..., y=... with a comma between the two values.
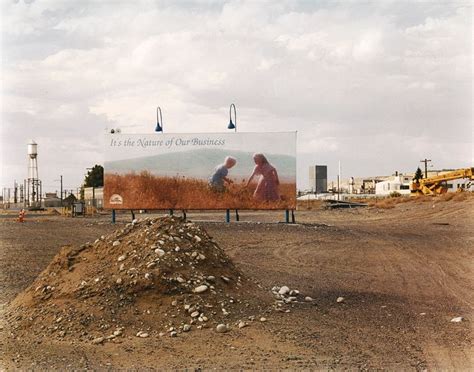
x=404, y=273
x=142, y=280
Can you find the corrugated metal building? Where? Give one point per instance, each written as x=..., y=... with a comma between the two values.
x=94, y=197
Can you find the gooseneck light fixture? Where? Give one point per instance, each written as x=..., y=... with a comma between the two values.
x=232, y=125
x=159, y=120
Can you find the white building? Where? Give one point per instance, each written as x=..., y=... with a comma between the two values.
x=463, y=183
x=400, y=184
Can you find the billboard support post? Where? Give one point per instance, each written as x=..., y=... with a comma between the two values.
x=171, y=212
x=184, y=215
x=113, y=215
x=287, y=216
x=133, y=214
x=227, y=215
x=292, y=216
x=233, y=126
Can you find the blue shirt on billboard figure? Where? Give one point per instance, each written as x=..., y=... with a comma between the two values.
x=219, y=178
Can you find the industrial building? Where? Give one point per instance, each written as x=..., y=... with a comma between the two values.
x=318, y=179
x=376, y=185
x=51, y=200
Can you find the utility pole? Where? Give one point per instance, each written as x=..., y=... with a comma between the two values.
x=26, y=192
x=339, y=181
x=426, y=161
x=15, y=192
x=61, y=179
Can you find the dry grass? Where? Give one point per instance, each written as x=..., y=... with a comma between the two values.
x=391, y=202
x=388, y=203
x=145, y=191
x=308, y=205
x=456, y=196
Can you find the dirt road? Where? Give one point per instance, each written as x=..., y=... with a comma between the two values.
x=404, y=273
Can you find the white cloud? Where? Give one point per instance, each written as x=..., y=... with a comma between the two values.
x=371, y=79
x=368, y=47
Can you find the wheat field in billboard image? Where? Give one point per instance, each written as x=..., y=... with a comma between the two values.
x=201, y=171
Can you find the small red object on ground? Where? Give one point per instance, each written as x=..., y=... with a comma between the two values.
x=21, y=216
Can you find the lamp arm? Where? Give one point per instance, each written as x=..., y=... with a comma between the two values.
x=159, y=117
x=235, y=115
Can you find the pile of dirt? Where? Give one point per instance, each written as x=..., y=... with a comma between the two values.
x=154, y=277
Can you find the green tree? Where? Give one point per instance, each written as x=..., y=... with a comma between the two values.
x=95, y=177
x=418, y=174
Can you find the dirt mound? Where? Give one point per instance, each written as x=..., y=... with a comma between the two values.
x=153, y=277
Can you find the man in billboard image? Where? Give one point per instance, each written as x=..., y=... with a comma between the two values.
x=268, y=184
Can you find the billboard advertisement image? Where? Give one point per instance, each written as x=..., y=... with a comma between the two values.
x=200, y=171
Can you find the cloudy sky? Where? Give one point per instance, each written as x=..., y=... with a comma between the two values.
x=378, y=85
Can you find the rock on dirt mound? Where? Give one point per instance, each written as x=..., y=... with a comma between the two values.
x=153, y=277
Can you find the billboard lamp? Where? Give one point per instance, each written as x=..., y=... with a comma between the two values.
x=231, y=124
x=159, y=120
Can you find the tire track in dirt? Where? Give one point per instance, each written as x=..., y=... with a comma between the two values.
x=440, y=276
x=413, y=266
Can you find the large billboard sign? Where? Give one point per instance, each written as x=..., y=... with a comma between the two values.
x=200, y=171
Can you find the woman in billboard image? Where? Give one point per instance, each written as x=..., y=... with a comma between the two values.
x=267, y=186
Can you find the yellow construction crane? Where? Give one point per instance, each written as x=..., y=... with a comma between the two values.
x=438, y=184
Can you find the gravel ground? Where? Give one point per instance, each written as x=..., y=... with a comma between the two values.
x=403, y=274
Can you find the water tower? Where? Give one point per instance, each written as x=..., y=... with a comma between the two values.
x=33, y=189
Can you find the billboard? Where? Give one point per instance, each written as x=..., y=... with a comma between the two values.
x=200, y=171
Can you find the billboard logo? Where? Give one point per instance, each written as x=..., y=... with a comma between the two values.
x=116, y=199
